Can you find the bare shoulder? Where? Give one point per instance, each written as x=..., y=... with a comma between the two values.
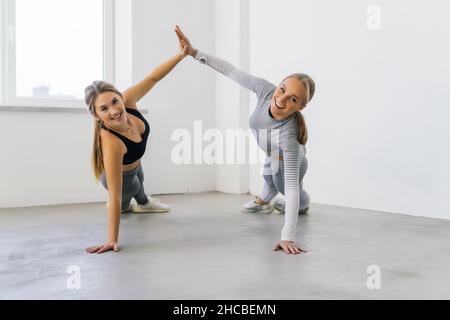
x=111, y=144
x=113, y=152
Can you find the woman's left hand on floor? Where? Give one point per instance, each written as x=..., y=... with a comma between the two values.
x=103, y=248
x=289, y=247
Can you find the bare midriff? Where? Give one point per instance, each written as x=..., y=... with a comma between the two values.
x=131, y=166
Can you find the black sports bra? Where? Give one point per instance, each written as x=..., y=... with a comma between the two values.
x=135, y=150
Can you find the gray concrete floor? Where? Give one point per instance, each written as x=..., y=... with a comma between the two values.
x=206, y=249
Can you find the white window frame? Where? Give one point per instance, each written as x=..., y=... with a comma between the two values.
x=8, y=98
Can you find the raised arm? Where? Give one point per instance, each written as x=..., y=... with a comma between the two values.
x=112, y=156
x=258, y=85
x=136, y=92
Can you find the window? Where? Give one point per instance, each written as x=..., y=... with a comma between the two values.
x=52, y=49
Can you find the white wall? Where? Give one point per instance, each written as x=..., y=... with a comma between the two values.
x=231, y=101
x=185, y=95
x=45, y=157
x=379, y=125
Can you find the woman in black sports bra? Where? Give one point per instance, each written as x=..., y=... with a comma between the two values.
x=120, y=138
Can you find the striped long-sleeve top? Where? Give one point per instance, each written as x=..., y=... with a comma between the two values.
x=275, y=137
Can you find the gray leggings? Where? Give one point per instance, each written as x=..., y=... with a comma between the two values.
x=132, y=186
x=274, y=184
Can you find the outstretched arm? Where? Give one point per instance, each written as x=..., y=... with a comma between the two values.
x=255, y=84
x=136, y=92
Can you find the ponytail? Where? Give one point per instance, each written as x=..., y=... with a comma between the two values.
x=310, y=87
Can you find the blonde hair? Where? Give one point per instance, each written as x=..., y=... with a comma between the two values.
x=90, y=95
x=310, y=87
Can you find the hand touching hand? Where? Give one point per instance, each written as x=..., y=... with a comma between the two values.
x=183, y=48
x=185, y=43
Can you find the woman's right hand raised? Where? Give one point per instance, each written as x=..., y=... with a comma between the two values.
x=184, y=41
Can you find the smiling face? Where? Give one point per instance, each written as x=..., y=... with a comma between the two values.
x=110, y=109
x=289, y=97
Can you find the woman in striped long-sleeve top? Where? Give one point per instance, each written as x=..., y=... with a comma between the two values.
x=280, y=131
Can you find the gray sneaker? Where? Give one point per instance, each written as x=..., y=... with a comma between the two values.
x=253, y=207
x=280, y=205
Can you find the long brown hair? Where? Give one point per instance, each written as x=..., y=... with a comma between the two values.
x=310, y=87
x=90, y=95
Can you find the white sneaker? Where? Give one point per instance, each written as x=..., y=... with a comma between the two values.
x=152, y=206
x=280, y=205
x=253, y=207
